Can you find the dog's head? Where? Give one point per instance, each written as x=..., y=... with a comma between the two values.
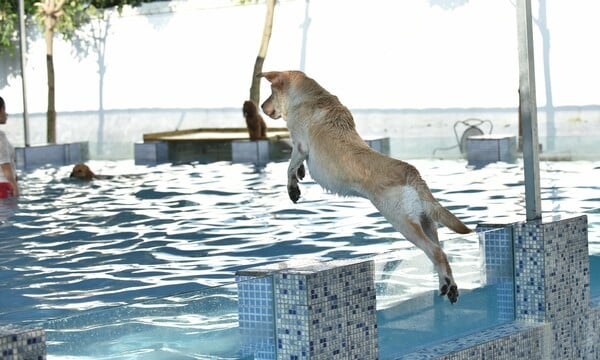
x=281, y=84
x=83, y=172
x=249, y=109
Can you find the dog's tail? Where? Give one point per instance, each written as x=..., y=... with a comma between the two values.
x=437, y=212
x=443, y=216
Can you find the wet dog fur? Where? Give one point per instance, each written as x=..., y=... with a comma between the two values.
x=83, y=172
x=257, y=128
x=323, y=134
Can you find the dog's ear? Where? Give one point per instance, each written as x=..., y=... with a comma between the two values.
x=274, y=77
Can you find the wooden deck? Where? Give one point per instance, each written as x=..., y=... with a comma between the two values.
x=207, y=145
x=214, y=134
x=217, y=144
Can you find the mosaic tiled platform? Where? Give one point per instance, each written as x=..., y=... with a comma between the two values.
x=486, y=149
x=505, y=342
x=249, y=151
x=540, y=268
x=31, y=157
x=256, y=315
x=150, y=153
x=381, y=145
x=497, y=252
x=555, y=317
x=20, y=343
x=322, y=311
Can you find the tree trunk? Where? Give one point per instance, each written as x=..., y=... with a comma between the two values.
x=262, y=53
x=51, y=10
x=51, y=112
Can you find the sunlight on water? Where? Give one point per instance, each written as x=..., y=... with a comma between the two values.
x=152, y=232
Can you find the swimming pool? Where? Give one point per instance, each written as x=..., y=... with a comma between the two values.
x=169, y=238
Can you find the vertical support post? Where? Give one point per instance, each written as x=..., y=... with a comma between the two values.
x=305, y=26
x=528, y=111
x=23, y=48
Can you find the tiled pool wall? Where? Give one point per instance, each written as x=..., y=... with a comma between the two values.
x=554, y=316
x=323, y=311
x=18, y=343
x=327, y=310
x=540, y=268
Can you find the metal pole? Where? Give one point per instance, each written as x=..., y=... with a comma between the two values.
x=528, y=111
x=305, y=26
x=23, y=50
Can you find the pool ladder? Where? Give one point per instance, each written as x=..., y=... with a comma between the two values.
x=472, y=127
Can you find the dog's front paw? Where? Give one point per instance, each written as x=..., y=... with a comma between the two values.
x=301, y=172
x=294, y=193
x=453, y=294
x=450, y=289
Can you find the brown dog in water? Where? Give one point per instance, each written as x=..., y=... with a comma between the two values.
x=324, y=135
x=83, y=172
x=257, y=129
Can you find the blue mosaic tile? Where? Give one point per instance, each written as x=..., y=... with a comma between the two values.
x=551, y=269
x=509, y=341
x=321, y=305
x=256, y=316
x=327, y=312
x=324, y=310
x=20, y=343
x=497, y=251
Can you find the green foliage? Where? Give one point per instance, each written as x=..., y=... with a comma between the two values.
x=74, y=16
x=106, y=4
x=76, y=13
x=9, y=18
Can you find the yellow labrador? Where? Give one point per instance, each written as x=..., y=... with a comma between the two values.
x=323, y=133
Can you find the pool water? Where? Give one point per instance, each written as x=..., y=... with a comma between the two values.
x=168, y=239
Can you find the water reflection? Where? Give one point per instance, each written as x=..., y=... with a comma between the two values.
x=69, y=246
x=8, y=207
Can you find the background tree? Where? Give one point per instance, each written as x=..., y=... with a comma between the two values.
x=49, y=12
x=53, y=16
x=9, y=17
x=262, y=52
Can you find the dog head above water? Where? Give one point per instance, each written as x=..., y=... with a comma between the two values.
x=282, y=82
x=83, y=172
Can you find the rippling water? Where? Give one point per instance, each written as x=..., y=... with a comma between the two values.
x=68, y=245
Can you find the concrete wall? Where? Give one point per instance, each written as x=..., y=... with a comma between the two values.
x=413, y=133
x=185, y=64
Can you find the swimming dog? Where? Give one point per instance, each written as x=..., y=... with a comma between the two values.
x=324, y=135
x=83, y=172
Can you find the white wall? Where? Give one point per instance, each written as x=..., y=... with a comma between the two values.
x=382, y=54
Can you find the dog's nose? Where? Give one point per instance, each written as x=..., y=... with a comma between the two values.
x=268, y=109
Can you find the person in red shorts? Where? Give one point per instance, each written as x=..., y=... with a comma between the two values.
x=8, y=174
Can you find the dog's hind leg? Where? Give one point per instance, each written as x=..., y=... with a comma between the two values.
x=415, y=231
x=447, y=284
x=430, y=228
